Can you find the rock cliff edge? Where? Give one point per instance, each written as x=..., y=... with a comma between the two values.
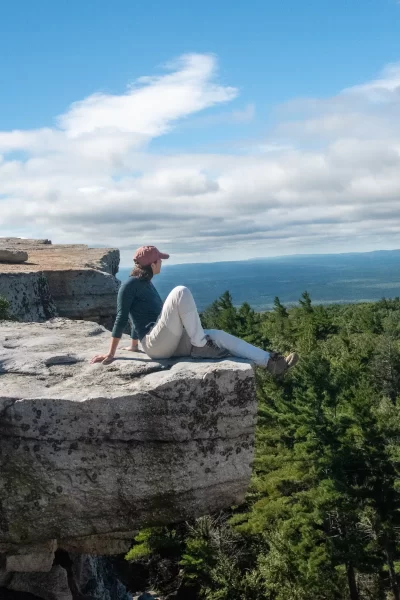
x=89, y=454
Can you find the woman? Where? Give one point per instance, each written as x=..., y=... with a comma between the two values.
x=173, y=328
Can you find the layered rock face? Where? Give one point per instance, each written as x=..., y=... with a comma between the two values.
x=64, y=280
x=90, y=453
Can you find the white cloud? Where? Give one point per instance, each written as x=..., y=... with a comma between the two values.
x=150, y=107
x=385, y=89
x=326, y=179
x=238, y=116
x=175, y=182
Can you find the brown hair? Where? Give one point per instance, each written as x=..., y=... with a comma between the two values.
x=142, y=271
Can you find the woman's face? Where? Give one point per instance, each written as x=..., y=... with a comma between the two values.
x=156, y=267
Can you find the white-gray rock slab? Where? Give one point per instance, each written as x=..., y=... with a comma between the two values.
x=87, y=450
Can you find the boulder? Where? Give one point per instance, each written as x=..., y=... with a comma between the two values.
x=31, y=559
x=12, y=256
x=49, y=586
x=91, y=453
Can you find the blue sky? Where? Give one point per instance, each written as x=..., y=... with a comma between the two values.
x=265, y=56
x=58, y=52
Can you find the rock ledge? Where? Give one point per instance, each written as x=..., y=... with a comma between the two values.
x=89, y=454
x=65, y=280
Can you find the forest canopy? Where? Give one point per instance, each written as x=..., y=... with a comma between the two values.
x=321, y=519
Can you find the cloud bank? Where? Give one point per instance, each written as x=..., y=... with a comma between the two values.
x=325, y=179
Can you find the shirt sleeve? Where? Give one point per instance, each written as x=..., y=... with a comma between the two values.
x=126, y=296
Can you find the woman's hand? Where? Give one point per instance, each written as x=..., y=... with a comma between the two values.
x=105, y=359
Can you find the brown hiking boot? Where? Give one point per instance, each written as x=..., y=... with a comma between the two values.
x=210, y=350
x=278, y=364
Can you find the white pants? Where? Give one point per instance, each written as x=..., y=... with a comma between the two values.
x=178, y=328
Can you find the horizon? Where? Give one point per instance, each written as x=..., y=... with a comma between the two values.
x=149, y=124
x=328, y=278
x=166, y=262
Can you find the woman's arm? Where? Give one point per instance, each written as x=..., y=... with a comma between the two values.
x=134, y=347
x=124, y=302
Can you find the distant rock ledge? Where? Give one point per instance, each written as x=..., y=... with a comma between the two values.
x=65, y=280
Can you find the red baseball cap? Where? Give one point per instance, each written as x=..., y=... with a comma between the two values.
x=146, y=255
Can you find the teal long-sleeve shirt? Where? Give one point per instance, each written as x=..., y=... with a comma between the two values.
x=139, y=299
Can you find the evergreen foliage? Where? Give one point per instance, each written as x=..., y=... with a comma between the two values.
x=322, y=516
x=4, y=306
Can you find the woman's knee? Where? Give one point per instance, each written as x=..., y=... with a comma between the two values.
x=180, y=292
x=180, y=289
x=181, y=297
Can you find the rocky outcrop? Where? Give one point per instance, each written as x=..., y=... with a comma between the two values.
x=71, y=281
x=91, y=453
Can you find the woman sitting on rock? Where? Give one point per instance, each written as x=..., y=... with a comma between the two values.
x=173, y=328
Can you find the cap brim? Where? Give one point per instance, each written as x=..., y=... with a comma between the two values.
x=164, y=255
